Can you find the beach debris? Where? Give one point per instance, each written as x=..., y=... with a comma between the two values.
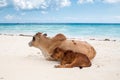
x=117, y=74
x=9, y=34
x=114, y=40
x=38, y=52
x=98, y=66
x=1, y=78
x=106, y=39
x=92, y=39
x=25, y=35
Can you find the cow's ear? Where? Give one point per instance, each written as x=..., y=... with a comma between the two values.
x=39, y=33
x=45, y=34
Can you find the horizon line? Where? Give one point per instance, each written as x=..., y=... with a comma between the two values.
x=60, y=23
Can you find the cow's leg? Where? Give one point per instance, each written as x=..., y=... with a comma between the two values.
x=50, y=59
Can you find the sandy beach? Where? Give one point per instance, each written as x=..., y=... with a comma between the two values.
x=18, y=61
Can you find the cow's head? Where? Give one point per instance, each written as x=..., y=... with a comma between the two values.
x=58, y=54
x=37, y=40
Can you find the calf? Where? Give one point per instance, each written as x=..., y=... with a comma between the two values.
x=70, y=59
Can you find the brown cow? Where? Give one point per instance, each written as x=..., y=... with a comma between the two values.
x=47, y=45
x=69, y=59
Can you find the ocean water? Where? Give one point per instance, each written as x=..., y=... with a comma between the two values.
x=72, y=30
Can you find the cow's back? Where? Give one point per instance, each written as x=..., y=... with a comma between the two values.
x=79, y=46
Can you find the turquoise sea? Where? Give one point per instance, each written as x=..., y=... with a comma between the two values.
x=72, y=30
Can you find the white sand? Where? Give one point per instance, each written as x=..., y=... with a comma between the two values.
x=18, y=61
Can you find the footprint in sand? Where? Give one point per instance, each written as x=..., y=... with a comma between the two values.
x=1, y=78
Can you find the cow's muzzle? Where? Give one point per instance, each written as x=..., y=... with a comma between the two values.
x=30, y=44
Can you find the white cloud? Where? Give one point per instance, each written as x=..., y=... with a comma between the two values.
x=112, y=1
x=29, y=4
x=64, y=3
x=85, y=1
x=40, y=4
x=44, y=12
x=92, y=1
x=23, y=14
x=3, y=3
x=117, y=17
x=9, y=17
x=12, y=17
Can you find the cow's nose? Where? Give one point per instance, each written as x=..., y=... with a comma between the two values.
x=51, y=55
x=30, y=44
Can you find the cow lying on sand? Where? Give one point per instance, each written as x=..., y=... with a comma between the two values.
x=47, y=45
x=70, y=59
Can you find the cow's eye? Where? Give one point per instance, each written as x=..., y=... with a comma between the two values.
x=33, y=39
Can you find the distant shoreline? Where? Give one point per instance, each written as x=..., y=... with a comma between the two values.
x=60, y=23
x=91, y=39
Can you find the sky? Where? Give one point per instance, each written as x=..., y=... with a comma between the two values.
x=59, y=11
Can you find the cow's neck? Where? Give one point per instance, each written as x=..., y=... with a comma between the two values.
x=45, y=46
x=46, y=43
